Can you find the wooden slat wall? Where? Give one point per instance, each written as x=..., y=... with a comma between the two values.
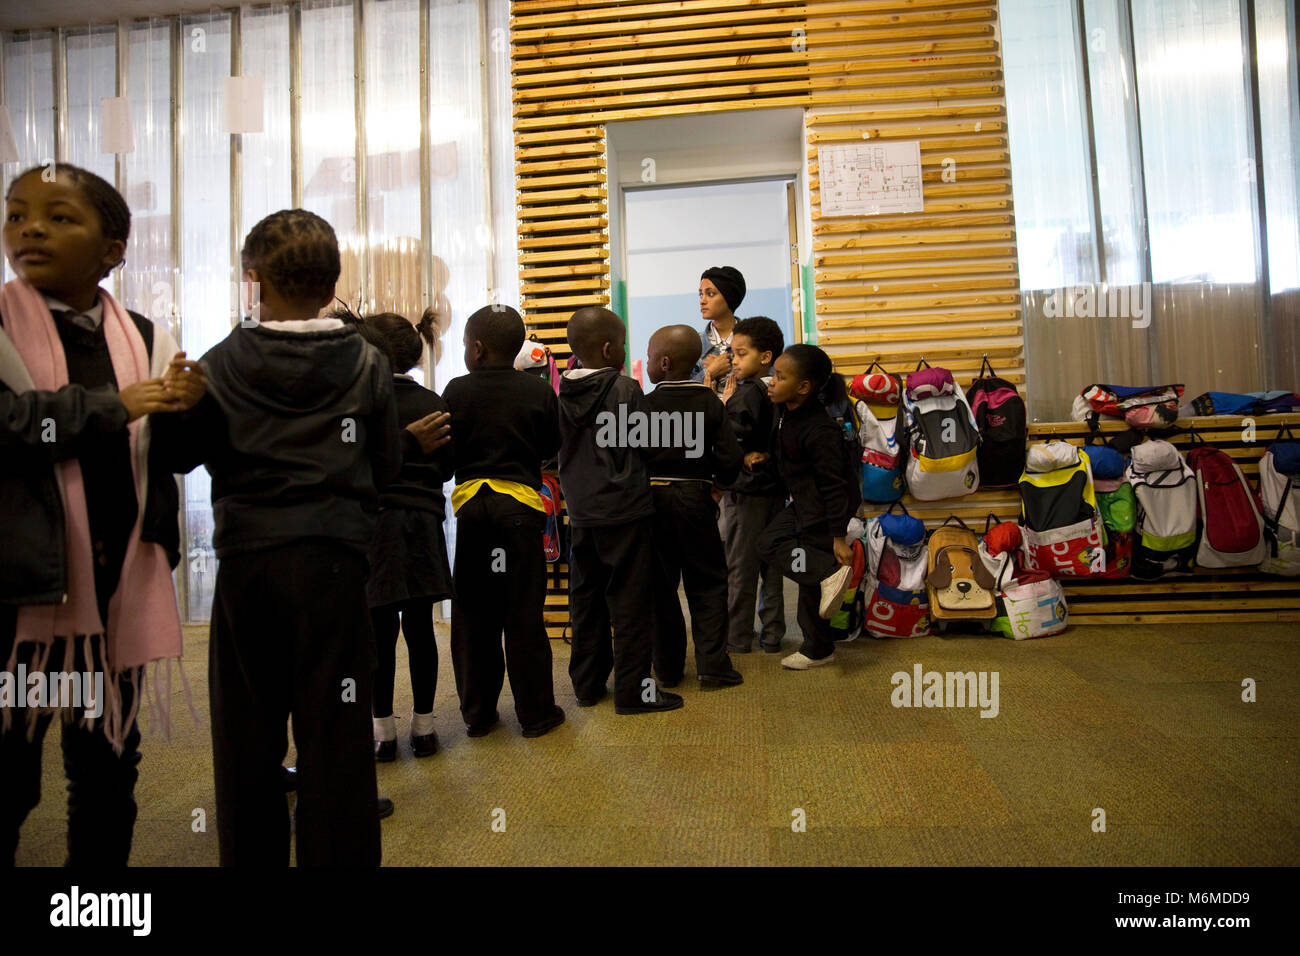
x=578, y=64
x=941, y=283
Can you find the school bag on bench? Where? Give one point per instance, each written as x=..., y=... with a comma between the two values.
x=895, y=603
x=1231, y=526
x=879, y=405
x=1165, y=535
x=960, y=586
x=1001, y=419
x=1064, y=536
x=1115, y=504
x=1279, y=492
x=942, y=438
x=1141, y=406
x=1030, y=604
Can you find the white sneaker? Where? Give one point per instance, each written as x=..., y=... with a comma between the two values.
x=798, y=662
x=833, y=587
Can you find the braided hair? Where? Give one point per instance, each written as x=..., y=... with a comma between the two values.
x=296, y=252
x=114, y=214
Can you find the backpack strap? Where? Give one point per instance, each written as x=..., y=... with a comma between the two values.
x=1272, y=524
x=921, y=364
x=986, y=364
x=952, y=518
x=900, y=504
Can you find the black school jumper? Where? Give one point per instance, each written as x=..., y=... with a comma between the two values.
x=101, y=784
x=747, y=508
x=504, y=425
x=298, y=428
x=686, y=539
x=809, y=450
x=607, y=493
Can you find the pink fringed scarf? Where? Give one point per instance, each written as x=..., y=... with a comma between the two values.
x=143, y=620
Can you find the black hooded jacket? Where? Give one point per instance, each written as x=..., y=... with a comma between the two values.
x=809, y=450
x=604, y=482
x=297, y=430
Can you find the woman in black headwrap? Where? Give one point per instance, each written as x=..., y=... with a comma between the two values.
x=722, y=288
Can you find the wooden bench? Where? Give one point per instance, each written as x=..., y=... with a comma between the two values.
x=1242, y=596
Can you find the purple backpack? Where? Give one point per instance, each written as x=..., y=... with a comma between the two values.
x=1003, y=425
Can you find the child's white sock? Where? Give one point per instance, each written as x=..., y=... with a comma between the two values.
x=385, y=728
x=421, y=724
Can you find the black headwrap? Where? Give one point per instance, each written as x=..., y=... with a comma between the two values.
x=729, y=282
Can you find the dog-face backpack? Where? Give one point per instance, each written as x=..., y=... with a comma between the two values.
x=1232, y=528
x=1165, y=489
x=879, y=396
x=942, y=438
x=960, y=586
x=895, y=601
x=1064, y=536
x=1279, y=492
x=1001, y=419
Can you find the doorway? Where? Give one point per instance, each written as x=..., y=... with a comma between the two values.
x=673, y=233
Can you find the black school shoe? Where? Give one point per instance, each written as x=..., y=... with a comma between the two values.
x=385, y=807
x=425, y=745
x=593, y=701
x=739, y=648
x=723, y=679
x=482, y=730
x=673, y=681
x=545, y=726
x=385, y=751
x=664, y=700
x=290, y=777
x=772, y=648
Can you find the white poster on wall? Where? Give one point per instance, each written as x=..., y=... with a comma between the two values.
x=870, y=179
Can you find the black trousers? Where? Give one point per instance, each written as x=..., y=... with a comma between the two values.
x=610, y=575
x=688, y=549
x=805, y=557
x=101, y=783
x=291, y=636
x=500, y=578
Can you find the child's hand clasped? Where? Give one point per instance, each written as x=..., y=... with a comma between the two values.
x=754, y=458
x=185, y=381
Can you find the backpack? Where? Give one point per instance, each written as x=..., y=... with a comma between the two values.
x=1232, y=528
x=1165, y=488
x=1002, y=422
x=840, y=407
x=895, y=602
x=942, y=438
x=555, y=536
x=1141, y=406
x=536, y=358
x=880, y=413
x=1279, y=492
x=1115, y=504
x=959, y=585
x=1064, y=536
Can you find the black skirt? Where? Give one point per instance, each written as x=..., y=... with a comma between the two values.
x=408, y=558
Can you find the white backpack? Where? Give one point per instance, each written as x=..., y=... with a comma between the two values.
x=896, y=602
x=1164, y=538
x=1279, y=493
x=942, y=437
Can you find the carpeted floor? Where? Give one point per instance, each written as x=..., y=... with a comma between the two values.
x=1145, y=723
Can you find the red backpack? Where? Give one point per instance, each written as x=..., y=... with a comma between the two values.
x=1232, y=525
x=553, y=542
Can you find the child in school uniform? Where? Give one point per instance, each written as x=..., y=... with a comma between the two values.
x=408, y=557
x=607, y=492
x=807, y=539
x=298, y=429
x=700, y=449
x=505, y=424
x=756, y=496
x=90, y=517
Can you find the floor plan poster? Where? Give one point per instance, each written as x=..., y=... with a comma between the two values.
x=867, y=179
